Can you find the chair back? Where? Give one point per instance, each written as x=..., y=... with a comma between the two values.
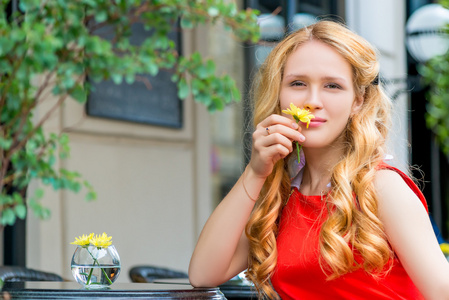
x=147, y=274
x=17, y=273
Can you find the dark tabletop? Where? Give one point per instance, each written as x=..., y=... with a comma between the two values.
x=72, y=290
x=232, y=289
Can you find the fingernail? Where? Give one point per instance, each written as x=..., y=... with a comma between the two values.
x=295, y=126
x=302, y=138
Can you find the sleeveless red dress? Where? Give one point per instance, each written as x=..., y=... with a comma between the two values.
x=298, y=274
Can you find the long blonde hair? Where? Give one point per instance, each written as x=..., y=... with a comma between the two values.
x=353, y=221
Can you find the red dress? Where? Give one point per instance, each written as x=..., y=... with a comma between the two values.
x=298, y=274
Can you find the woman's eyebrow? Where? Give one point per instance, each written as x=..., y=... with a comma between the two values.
x=334, y=78
x=325, y=78
x=294, y=75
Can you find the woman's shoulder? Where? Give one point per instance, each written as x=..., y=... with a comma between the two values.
x=392, y=181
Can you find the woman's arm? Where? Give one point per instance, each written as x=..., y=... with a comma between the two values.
x=222, y=248
x=411, y=235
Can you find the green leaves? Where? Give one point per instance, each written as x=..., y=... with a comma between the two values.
x=6, y=44
x=212, y=91
x=78, y=93
x=8, y=217
x=20, y=211
x=50, y=48
x=436, y=75
x=26, y=5
x=183, y=88
x=37, y=208
x=13, y=208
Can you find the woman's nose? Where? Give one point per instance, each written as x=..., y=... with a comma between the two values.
x=313, y=101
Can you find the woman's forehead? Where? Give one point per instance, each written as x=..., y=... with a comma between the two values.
x=317, y=58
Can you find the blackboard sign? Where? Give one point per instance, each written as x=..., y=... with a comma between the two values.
x=157, y=105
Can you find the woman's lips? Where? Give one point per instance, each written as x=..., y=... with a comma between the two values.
x=316, y=122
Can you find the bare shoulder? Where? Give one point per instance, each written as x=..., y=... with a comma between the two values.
x=386, y=179
x=393, y=191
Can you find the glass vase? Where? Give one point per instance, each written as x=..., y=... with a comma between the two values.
x=95, y=267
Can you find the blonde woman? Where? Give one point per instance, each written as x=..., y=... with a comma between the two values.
x=345, y=225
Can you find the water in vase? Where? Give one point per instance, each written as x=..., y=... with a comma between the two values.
x=95, y=276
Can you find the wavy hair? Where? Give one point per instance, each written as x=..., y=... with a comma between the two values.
x=352, y=222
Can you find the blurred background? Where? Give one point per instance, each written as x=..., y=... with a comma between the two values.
x=159, y=176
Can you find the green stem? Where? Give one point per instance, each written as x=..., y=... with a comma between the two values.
x=90, y=275
x=298, y=151
x=91, y=270
x=106, y=275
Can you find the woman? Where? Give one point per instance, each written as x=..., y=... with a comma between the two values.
x=346, y=225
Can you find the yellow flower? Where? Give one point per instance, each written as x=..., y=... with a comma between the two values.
x=300, y=115
x=83, y=240
x=101, y=241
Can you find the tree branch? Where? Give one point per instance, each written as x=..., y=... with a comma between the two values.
x=22, y=142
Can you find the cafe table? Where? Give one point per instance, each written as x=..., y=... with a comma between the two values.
x=72, y=290
x=234, y=289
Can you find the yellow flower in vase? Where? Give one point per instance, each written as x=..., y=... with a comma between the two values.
x=83, y=240
x=101, y=241
x=300, y=115
x=99, y=265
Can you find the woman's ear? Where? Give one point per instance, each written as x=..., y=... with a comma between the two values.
x=357, y=105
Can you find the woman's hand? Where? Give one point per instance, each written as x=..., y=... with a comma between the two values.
x=272, y=141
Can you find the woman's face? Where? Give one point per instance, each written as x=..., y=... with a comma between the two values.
x=318, y=78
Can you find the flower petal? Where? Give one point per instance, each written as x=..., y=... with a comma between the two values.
x=300, y=115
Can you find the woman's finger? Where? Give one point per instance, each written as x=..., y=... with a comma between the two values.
x=278, y=119
x=272, y=141
x=291, y=133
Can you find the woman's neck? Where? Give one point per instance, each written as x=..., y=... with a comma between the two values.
x=318, y=169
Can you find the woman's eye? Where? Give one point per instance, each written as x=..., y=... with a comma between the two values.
x=333, y=86
x=297, y=83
